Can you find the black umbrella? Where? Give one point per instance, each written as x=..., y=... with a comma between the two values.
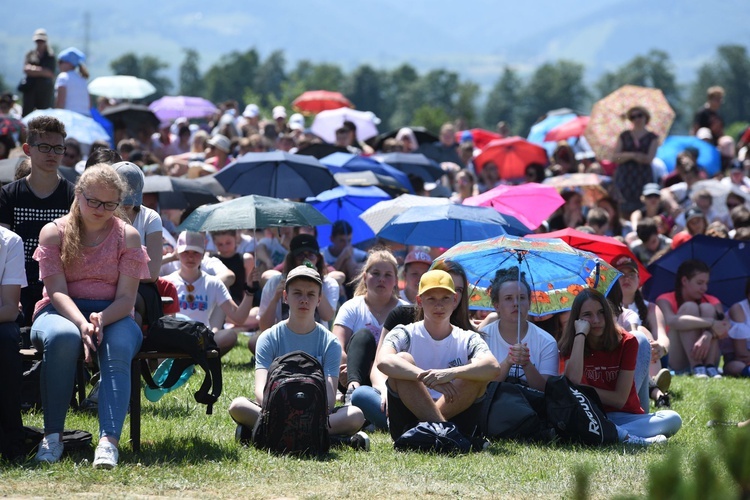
x=423, y=136
x=321, y=150
x=413, y=163
x=8, y=169
x=366, y=178
x=175, y=192
x=131, y=116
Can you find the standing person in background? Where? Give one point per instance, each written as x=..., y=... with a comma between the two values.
x=39, y=68
x=71, y=87
x=634, y=152
x=709, y=112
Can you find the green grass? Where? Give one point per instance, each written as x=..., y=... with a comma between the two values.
x=187, y=453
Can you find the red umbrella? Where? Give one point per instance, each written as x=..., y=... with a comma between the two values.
x=479, y=136
x=511, y=155
x=315, y=101
x=605, y=247
x=574, y=128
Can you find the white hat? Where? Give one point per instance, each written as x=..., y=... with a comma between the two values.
x=279, y=112
x=296, y=122
x=221, y=142
x=251, y=111
x=704, y=133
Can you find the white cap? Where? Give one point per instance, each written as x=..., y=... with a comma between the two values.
x=251, y=111
x=296, y=122
x=279, y=112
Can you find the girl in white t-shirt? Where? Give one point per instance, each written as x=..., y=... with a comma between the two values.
x=71, y=87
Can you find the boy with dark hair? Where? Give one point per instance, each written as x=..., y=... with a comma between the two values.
x=300, y=332
x=27, y=204
x=343, y=257
x=651, y=241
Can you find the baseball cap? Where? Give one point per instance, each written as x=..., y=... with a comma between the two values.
x=279, y=112
x=303, y=243
x=418, y=256
x=651, y=188
x=297, y=122
x=303, y=271
x=693, y=212
x=436, y=279
x=251, y=111
x=40, y=34
x=704, y=133
x=189, y=240
x=221, y=142
x=624, y=261
x=133, y=176
x=72, y=55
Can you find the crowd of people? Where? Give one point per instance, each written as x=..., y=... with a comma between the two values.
x=392, y=329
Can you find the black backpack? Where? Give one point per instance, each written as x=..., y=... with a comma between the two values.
x=170, y=334
x=512, y=411
x=294, y=418
x=436, y=437
x=576, y=413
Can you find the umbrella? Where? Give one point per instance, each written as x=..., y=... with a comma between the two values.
x=380, y=213
x=593, y=185
x=347, y=162
x=278, y=174
x=80, y=127
x=365, y=178
x=573, y=128
x=511, y=155
x=547, y=122
x=708, y=156
x=175, y=192
x=413, y=163
x=321, y=150
x=608, y=118
x=327, y=122
x=443, y=225
x=8, y=169
x=605, y=247
x=172, y=107
x=252, y=212
x=121, y=87
x=11, y=126
x=423, y=136
x=530, y=203
x=346, y=203
x=479, y=136
x=131, y=116
x=315, y=101
x=729, y=261
x=556, y=271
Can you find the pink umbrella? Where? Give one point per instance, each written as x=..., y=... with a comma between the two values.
x=171, y=107
x=574, y=128
x=530, y=203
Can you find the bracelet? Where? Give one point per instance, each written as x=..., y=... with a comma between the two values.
x=579, y=333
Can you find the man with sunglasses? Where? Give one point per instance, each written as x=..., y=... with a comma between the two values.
x=29, y=203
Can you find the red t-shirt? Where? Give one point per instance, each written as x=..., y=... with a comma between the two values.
x=167, y=289
x=601, y=369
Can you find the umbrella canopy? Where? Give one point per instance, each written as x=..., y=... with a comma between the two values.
x=511, y=155
x=605, y=247
x=547, y=122
x=556, y=271
x=608, y=117
x=708, y=155
x=573, y=128
x=443, y=225
x=131, y=116
x=315, y=101
x=479, y=136
x=121, y=87
x=347, y=162
x=8, y=168
x=321, y=150
x=530, y=203
x=80, y=127
x=326, y=123
x=11, y=126
x=729, y=261
x=366, y=178
x=423, y=136
x=346, y=203
x=380, y=213
x=278, y=174
x=413, y=163
x=175, y=192
x=252, y=212
x=593, y=185
x=171, y=107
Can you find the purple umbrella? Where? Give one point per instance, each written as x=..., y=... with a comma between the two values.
x=171, y=107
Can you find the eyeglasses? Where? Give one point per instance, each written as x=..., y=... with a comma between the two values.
x=46, y=148
x=635, y=116
x=109, y=206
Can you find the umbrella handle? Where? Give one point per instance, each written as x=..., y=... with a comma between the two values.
x=597, y=275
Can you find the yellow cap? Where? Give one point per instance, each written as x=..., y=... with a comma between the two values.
x=436, y=279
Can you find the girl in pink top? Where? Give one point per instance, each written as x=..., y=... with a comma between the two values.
x=91, y=262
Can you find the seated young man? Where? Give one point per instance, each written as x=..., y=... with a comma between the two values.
x=300, y=332
x=436, y=371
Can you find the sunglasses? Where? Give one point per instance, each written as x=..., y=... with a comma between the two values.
x=190, y=297
x=635, y=116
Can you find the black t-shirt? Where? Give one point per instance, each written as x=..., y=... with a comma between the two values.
x=702, y=117
x=236, y=264
x=400, y=315
x=26, y=214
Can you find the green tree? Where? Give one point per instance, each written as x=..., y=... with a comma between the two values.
x=467, y=96
x=231, y=76
x=731, y=70
x=191, y=81
x=430, y=117
x=502, y=100
x=269, y=77
x=396, y=111
x=146, y=67
x=364, y=87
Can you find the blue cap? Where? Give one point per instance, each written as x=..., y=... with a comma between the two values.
x=72, y=55
x=466, y=136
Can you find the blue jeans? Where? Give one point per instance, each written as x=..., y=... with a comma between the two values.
x=368, y=400
x=666, y=422
x=642, y=364
x=60, y=341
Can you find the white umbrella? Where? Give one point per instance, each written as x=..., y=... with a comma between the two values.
x=121, y=87
x=326, y=123
x=80, y=127
x=378, y=215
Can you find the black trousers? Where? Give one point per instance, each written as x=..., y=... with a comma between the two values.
x=360, y=355
x=11, y=425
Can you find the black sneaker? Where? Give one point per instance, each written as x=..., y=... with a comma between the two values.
x=360, y=441
x=663, y=401
x=243, y=435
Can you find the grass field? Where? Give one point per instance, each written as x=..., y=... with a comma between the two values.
x=187, y=453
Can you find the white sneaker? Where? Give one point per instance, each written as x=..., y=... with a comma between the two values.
x=50, y=449
x=712, y=372
x=700, y=372
x=105, y=456
x=641, y=441
x=663, y=380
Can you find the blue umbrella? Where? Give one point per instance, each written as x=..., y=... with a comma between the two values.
x=347, y=162
x=413, y=163
x=443, y=225
x=346, y=203
x=80, y=127
x=708, y=156
x=729, y=261
x=551, y=120
x=277, y=174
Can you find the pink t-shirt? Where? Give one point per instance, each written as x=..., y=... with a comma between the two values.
x=96, y=273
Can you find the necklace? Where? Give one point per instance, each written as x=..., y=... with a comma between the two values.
x=102, y=232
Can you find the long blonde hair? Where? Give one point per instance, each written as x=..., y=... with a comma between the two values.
x=376, y=255
x=99, y=174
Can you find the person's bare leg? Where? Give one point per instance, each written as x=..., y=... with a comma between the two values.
x=244, y=411
x=226, y=340
x=415, y=396
x=468, y=392
x=346, y=421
